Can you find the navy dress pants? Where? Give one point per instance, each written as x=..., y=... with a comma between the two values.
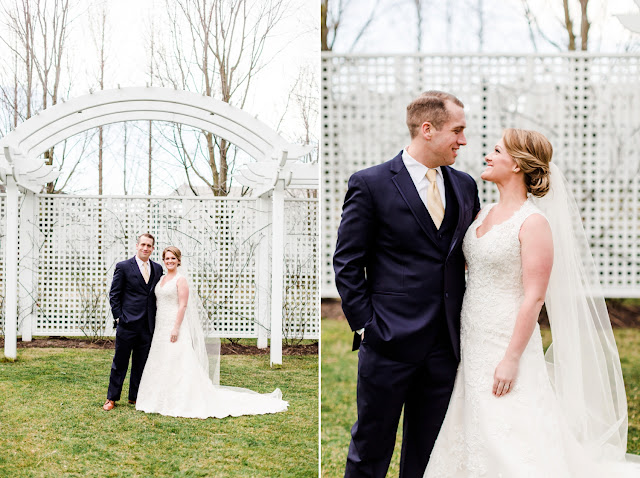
x=384, y=387
x=133, y=340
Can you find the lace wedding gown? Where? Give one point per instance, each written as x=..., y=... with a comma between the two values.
x=175, y=384
x=521, y=434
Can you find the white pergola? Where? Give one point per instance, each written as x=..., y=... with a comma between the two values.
x=277, y=168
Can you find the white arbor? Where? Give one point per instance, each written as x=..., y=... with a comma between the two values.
x=276, y=169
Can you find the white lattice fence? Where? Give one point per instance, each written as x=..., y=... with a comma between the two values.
x=587, y=105
x=80, y=239
x=301, y=271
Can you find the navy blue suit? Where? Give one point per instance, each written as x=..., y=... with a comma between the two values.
x=402, y=279
x=133, y=302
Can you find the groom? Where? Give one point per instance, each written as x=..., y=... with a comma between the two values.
x=400, y=272
x=133, y=304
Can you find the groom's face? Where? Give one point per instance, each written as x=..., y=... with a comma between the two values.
x=144, y=248
x=446, y=141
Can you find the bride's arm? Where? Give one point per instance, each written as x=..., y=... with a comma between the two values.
x=536, y=252
x=183, y=298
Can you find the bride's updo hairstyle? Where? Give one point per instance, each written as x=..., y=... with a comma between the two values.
x=175, y=251
x=532, y=153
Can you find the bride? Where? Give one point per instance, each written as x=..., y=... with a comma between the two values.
x=179, y=379
x=511, y=414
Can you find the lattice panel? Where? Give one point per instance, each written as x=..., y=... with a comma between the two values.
x=587, y=105
x=301, y=271
x=3, y=238
x=82, y=238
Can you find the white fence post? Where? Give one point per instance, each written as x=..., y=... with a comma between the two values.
x=263, y=277
x=11, y=270
x=277, y=271
x=28, y=264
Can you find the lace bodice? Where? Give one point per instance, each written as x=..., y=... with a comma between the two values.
x=495, y=271
x=167, y=302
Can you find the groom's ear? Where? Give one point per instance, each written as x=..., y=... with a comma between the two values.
x=427, y=130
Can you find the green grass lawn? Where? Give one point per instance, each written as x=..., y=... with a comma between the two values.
x=339, y=371
x=52, y=423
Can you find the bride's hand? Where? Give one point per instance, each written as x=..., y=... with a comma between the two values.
x=504, y=376
x=174, y=335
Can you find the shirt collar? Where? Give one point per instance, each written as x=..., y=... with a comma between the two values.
x=417, y=171
x=140, y=261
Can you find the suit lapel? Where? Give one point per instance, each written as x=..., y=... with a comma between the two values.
x=409, y=193
x=455, y=186
x=156, y=274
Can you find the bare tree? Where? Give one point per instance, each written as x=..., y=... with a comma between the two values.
x=152, y=54
x=41, y=30
x=99, y=43
x=226, y=51
x=419, y=4
x=480, y=10
x=19, y=21
x=332, y=15
x=584, y=25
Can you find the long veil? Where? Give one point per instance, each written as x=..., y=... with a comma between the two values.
x=583, y=361
x=205, y=345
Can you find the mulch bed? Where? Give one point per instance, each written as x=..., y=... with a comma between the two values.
x=621, y=315
x=225, y=349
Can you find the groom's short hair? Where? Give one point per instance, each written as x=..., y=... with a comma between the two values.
x=146, y=234
x=430, y=106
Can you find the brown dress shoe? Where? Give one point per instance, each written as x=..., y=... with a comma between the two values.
x=108, y=405
x=132, y=402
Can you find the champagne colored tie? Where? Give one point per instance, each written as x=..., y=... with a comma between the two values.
x=145, y=272
x=434, y=201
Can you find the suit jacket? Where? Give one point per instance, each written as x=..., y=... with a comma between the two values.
x=130, y=297
x=392, y=274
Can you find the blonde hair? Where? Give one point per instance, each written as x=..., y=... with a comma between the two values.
x=175, y=251
x=532, y=153
x=430, y=106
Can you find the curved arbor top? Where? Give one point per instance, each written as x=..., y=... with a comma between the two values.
x=23, y=146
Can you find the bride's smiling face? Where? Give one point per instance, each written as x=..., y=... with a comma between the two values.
x=500, y=165
x=170, y=261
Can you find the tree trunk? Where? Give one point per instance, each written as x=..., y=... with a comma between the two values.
x=569, y=25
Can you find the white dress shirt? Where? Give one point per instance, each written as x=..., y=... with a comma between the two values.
x=141, y=267
x=418, y=173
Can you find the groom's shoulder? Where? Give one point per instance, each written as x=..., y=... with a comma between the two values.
x=378, y=171
x=464, y=178
x=122, y=264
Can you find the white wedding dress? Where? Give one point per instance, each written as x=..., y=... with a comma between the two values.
x=174, y=382
x=523, y=433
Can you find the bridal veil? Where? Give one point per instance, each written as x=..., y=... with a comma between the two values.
x=583, y=361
